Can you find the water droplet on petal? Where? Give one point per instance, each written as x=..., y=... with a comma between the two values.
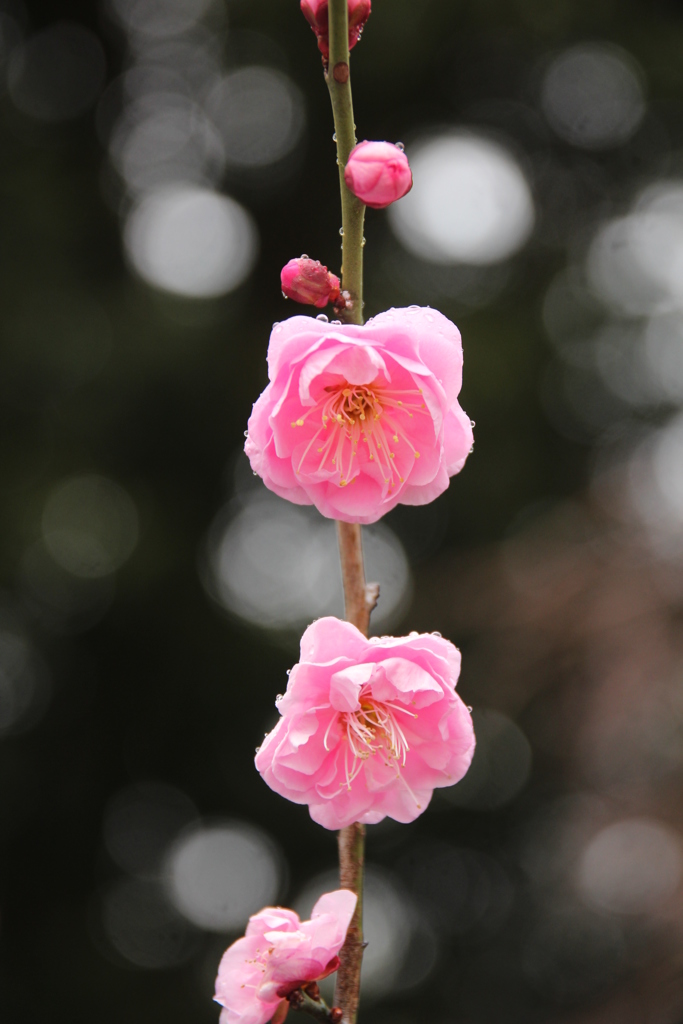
x=257, y=750
x=334, y=137
x=323, y=319
x=341, y=231
x=400, y=145
x=472, y=423
x=305, y=256
x=436, y=633
x=277, y=322
x=337, y=323
x=246, y=433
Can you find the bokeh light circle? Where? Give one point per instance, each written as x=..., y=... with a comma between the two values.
x=58, y=73
x=632, y=866
x=159, y=18
x=635, y=262
x=260, y=115
x=90, y=526
x=191, y=241
x=143, y=927
x=470, y=202
x=276, y=565
x=217, y=875
x=141, y=821
x=592, y=96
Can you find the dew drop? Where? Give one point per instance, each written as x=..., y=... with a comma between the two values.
x=246, y=433
x=469, y=708
x=304, y=256
x=337, y=323
x=323, y=319
x=285, y=296
x=341, y=232
x=289, y=671
x=413, y=632
x=277, y=323
x=257, y=750
x=471, y=450
x=362, y=244
x=436, y=633
x=413, y=307
x=400, y=145
x=472, y=423
x=334, y=137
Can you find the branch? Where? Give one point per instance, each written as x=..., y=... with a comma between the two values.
x=338, y=78
x=359, y=599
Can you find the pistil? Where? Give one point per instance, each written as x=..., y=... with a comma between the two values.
x=355, y=413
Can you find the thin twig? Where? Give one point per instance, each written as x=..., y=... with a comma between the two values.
x=359, y=599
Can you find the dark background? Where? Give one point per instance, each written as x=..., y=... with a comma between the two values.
x=131, y=700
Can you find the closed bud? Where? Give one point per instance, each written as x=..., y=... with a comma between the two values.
x=316, y=14
x=378, y=173
x=307, y=281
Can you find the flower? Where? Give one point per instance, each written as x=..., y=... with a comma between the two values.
x=307, y=281
x=369, y=728
x=316, y=14
x=357, y=419
x=278, y=954
x=378, y=173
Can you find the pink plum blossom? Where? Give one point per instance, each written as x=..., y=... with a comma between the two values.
x=369, y=728
x=357, y=419
x=308, y=281
x=317, y=16
x=378, y=173
x=278, y=954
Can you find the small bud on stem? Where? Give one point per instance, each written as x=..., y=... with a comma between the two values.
x=309, y=282
x=317, y=15
x=378, y=173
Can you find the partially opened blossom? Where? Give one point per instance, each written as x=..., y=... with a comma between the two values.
x=309, y=282
x=278, y=954
x=317, y=16
x=378, y=173
x=369, y=728
x=357, y=419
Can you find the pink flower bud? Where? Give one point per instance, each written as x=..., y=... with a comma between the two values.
x=378, y=173
x=307, y=281
x=316, y=14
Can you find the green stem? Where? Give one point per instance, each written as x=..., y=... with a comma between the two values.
x=359, y=599
x=338, y=79
x=310, y=1002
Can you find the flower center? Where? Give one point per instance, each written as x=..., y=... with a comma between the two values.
x=372, y=730
x=372, y=414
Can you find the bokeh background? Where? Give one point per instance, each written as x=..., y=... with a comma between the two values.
x=160, y=160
